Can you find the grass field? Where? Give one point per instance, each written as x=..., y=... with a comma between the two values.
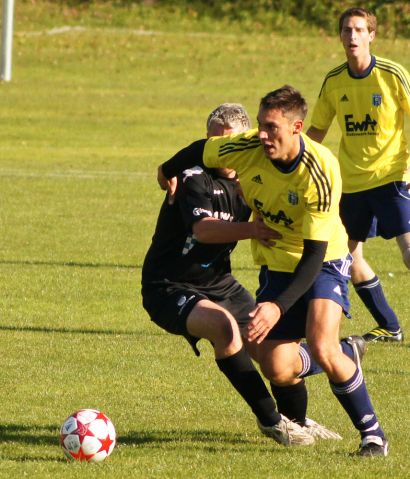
x=87, y=118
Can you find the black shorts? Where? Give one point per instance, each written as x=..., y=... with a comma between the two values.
x=169, y=304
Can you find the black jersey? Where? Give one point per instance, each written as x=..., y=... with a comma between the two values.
x=175, y=254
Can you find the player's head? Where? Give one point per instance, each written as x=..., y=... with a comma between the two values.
x=367, y=15
x=357, y=29
x=226, y=119
x=280, y=122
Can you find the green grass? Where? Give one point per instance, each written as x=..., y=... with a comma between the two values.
x=85, y=121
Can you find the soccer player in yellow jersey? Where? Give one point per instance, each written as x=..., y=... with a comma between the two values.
x=369, y=97
x=294, y=184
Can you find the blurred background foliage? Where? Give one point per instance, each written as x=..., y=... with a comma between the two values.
x=283, y=16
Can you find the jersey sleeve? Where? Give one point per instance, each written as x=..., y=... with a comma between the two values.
x=193, y=197
x=404, y=92
x=323, y=111
x=230, y=151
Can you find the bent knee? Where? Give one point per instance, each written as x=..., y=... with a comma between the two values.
x=279, y=374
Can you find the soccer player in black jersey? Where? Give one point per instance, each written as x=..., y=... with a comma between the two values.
x=188, y=288
x=369, y=96
x=294, y=183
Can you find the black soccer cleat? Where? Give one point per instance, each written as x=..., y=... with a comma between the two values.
x=358, y=345
x=373, y=446
x=383, y=335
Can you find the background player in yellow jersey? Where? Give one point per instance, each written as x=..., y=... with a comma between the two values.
x=369, y=97
x=295, y=185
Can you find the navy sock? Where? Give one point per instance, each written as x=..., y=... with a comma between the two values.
x=292, y=401
x=310, y=367
x=242, y=374
x=372, y=295
x=354, y=398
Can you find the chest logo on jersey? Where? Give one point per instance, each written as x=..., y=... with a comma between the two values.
x=279, y=217
x=293, y=197
x=376, y=99
x=365, y=127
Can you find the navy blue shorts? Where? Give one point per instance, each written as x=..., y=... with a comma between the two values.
x=331, y=283
x=389, y=204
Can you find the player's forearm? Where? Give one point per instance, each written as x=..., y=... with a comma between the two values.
x=305, y=273
x=316, y=134
x=211, y=230
x=184, y=159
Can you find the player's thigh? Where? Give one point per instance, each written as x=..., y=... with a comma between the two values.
x=211, y=321
x=239, y=303
x=323, y=322
x=391, y=204
x=169, y=305
x=356, y=215
x=279, y=359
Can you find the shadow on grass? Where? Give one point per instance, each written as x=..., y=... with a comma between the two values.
x=74, y=264
x=48, y=435
x=183, y=436
x=37, y=329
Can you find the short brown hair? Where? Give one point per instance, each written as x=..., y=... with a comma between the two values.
x=359, y=12
x=286, y=99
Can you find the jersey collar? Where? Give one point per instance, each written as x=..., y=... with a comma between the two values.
x=366, y=72
x=292, y=166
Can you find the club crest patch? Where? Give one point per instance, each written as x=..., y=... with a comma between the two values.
x=293, y=197
x=376, y=99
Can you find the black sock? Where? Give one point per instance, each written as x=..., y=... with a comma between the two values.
x=244, y=377
x=291, y=401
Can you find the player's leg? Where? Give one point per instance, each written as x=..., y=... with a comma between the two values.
x=367, y=285
x=345, y=377
x=358, y=216
x=404, y=244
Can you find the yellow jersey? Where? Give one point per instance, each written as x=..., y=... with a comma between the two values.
x=370, y=112
x=300, y=203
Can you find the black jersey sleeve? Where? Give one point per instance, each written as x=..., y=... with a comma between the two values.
x=193, y=196
x=305, y=273
x=185, y=158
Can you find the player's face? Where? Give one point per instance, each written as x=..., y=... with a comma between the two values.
x=355, y=37
x=279, y=134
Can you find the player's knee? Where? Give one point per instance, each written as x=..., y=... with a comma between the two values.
x=324, y=353
x=226, y=330
x=279, y=374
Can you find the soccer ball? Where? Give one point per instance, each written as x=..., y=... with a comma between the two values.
x=87, y=435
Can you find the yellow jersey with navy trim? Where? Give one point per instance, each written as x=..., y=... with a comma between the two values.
x=300, y=203
x=370, y=112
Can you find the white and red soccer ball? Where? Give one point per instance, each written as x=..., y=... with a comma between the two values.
x=87, y=435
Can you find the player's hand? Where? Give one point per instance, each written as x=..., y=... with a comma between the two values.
x=169, y=185
x=264, y=317
x=265, y=235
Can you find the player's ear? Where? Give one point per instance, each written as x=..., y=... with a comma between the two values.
x=297, y=126
x=372, y=35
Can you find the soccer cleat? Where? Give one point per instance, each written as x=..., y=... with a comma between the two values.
x=318, y=431
x=288, y=433
x=372, y=446
x=382, y=334
x=358, y=345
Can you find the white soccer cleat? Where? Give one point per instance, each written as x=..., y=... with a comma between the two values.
x=318, y=431
x=288, y=433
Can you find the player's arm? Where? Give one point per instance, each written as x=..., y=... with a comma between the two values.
x=186, y=158
x=212, y=230
x=267, y=314
x=316, y=134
